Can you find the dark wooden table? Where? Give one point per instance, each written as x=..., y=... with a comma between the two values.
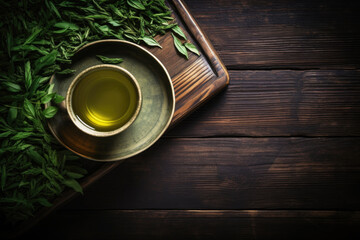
x=274, y=156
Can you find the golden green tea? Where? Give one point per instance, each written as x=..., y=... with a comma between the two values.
x=105, y=99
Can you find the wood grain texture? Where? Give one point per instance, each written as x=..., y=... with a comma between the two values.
x=200, y=224
x=292, y=34
x=281, y=103
x=233, y=173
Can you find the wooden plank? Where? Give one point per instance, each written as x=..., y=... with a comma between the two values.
x=257, y=34
x=281, y=103
x=200, y=224
x=234, y=173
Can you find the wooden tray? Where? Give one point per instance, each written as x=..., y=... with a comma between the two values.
x=195, y=81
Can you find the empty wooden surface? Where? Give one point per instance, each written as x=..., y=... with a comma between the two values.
x=274, y=156
x=205, y=224
x=281, y=103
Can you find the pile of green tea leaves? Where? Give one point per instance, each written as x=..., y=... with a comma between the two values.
x=38, y=38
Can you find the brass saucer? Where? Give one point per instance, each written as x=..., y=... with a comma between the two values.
x=158, y=103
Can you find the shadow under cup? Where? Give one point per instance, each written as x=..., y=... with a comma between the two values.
x=104, y=100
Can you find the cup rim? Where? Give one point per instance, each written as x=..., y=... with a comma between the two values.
x=81, y=125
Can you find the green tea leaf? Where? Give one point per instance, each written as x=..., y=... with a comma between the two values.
x=42, y=42
x=51, y=88
x=35, y=156
x=50, y=111
x=12, y=87
x=72, y=183
x=179, y=46
x=35, y=32
x=191, y=47
x=66, y=25
x=176, y=29
x=55, y=173
x=98, y=6
x=43, y=80
x=22, y=146
x=21, y=135
x=44, y=202
x=45, y=61
x=114, y=23
x=151, y=41
x=137, y=4
x=28, y=78
x=116, y=11
x=66, y=71
x=54, y=9
x=104, y=29
x=23, y=183
x=12, y=114
x=131, y=37
x=74, y=175
x=5, y=134
x=60, y=31
x=32, y=171
x=29, y=108
x=29, y=48
x=47, y=138
x=47, y=98
x=58, y=98
x=110, y=60
x=92, y=17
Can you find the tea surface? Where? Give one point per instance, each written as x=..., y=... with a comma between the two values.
x=104, y=100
